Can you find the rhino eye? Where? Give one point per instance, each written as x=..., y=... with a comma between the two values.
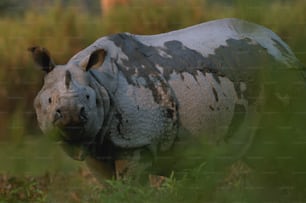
x=49, y=100
x=87, y=96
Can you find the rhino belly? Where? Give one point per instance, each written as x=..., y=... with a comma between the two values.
x=209, y=106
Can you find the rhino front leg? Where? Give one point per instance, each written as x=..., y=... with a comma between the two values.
x=101, y=170
x=134, y=164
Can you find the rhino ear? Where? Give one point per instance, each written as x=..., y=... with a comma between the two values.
x=95, y=59
x=42, y=58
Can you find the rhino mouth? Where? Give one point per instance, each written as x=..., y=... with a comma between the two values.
x=73, y=134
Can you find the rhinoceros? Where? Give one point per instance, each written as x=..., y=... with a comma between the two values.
x=127, y=96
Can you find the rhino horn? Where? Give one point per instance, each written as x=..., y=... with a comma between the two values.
x=95, y=59
x=68, y=79
x=42, y=58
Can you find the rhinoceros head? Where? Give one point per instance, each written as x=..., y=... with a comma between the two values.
x=71, y=105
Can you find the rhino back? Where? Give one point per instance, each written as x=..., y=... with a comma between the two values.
x=207, y=37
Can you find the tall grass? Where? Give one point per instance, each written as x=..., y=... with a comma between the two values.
x=65, y=31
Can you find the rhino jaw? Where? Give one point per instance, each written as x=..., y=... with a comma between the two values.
x=72, y=133
x=77, y=152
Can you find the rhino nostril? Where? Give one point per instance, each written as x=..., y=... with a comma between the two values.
x=83, y=115
x=58, y=115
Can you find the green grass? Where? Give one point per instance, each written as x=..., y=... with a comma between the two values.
x=37, y=170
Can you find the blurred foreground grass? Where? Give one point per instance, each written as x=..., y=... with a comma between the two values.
x=39, y=167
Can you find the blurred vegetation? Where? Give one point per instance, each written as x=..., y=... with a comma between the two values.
x=66, y=29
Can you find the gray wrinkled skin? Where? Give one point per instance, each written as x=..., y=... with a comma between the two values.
x=150, y=94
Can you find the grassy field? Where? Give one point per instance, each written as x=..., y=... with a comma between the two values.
x=34, y=169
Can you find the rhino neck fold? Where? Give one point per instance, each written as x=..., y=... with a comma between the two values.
x=108, y=114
